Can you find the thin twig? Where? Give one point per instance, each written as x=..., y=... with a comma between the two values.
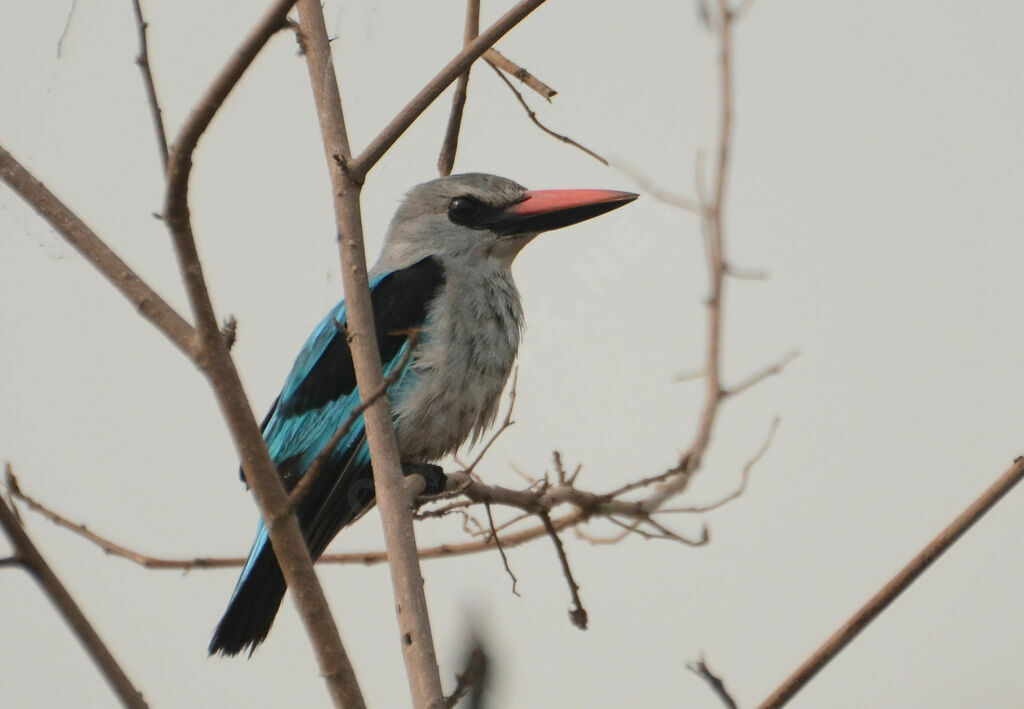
x=701, y=669
x=500, y=61
x=147, y=78
x=897, y=585
x=67, y=28
x=696, y=509
x=501, y=549
x=577, y=614
x=446, y=160
x=760, y=376
x=651, y=188
x=30, y=558
x=412, y=110
x=746, y=274
x=533, y=117
x=367, y=558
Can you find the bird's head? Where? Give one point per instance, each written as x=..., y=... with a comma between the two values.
x=478, y=217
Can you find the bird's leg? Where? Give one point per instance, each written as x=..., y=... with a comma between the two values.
x=433, y=476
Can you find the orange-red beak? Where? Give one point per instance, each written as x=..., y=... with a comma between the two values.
x=544, y=210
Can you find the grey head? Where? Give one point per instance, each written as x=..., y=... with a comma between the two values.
x=480, y=220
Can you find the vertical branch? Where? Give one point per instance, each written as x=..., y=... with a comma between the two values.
x=713, y=214
x=215, y=361
x=30, y=558
x=712, y=210
x=446, y=161
x=413, y=619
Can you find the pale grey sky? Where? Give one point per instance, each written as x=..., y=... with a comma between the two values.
x=876, y=177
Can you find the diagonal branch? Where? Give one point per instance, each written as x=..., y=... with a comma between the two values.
x=696, y=509
x=701, y=669
x=899, y=583
x=400, y=123
x=501, y=549
x=147, y=78
x=577, y=614
x=533, y=117
x=30, y=559
x=500, y=61
x=150, y=305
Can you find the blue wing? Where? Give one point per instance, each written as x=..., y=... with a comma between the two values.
x=318, y=396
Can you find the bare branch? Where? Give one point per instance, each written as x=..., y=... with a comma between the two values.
x=649, y=187
x=500, y=61
x=533, y=117
x=897, y=585
x=746, y=274
x=577, y=614
x=743, y=482
x=760, y=376
x=67, y=28
x=389, y=484
x=701, y=669
x=147, y=78
x=179, y=166
x=501, y=549
x=712, y=217
x=150, y=305
x=214, y=360
x=446, y=161
x=387, y=137
x=30, y=558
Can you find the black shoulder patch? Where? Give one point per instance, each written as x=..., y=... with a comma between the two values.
x=400, y=303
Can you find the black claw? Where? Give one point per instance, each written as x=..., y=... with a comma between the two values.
x=432, y=474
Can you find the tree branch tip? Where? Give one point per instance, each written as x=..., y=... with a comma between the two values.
x=579, y=617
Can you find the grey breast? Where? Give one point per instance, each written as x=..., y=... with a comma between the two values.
x=461, y=365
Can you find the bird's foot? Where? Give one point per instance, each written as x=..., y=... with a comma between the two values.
x=433, y=476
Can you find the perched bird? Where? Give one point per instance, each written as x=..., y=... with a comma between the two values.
x=442, y=287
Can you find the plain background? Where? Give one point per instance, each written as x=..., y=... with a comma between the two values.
x=877, y=178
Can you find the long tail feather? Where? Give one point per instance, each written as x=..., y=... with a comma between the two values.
x=251, y=612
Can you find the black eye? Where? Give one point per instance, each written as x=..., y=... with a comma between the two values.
x=464, y=210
